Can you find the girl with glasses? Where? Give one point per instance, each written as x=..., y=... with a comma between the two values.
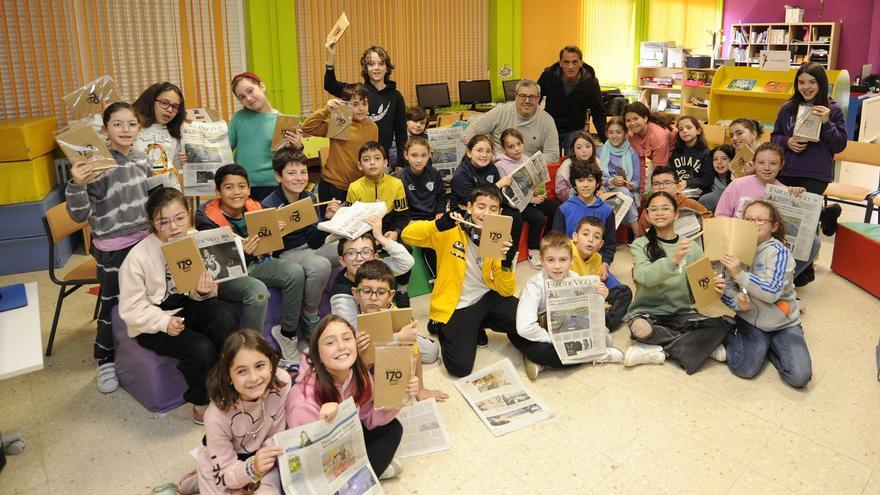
x=161, y=112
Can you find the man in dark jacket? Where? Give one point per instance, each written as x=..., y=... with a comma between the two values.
x=571, y=88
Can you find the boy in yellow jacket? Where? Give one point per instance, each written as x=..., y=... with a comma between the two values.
x=470, y=293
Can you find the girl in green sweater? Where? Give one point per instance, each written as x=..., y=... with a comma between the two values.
x=661, y=317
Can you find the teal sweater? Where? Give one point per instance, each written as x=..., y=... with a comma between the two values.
x=661, y=289
x=250, y=136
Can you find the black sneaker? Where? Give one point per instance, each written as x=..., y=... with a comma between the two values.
x=401, y=300
x=434, y=327
x=828, y=219
x=482, y=339
x=805, y=277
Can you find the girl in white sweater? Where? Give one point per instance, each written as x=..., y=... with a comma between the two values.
x=161, y=110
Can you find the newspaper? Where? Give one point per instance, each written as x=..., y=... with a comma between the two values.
x=322, y=457
x=206, y=142
x=198, y=178
x=349, y=221
x=499, y=398
x=423, y=430
x=688, y=222
x=526, y=179
x=576, y=318
x=619, y=203
x=447, y=150
x=221, y=253
x=800, y=215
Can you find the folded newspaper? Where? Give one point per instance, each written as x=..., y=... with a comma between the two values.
x=526, y=179
x=499, y=398
x=222, y=253
x=349, y=222
x=800, y=215
x=447, y=150
x=619, y=203
x=423, y=430
x=327, y=457
x=576, y=318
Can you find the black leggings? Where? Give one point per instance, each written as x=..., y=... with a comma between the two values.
x=382, y=442
x=327, y=191
x=814, y=186
x=540, y=219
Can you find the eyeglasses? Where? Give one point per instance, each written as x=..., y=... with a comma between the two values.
x=664, y=209
x=165, y=223
x=368, y=292
x=665, y=183
x=165, y=104
x=351, y=254
x=760, y=222
x=526, y=97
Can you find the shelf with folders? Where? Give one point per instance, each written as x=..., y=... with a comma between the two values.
x=660, y=88
x=806, y=42
x=696, y=89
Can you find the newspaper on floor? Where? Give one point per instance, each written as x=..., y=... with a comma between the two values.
x=198, y=178
x=576, y=318
x=619, y=203
x=526, y=179
x=349, y=221
x=800, y=215
x=499, y=398
x=327, y=457
x=206, y=142
x=221, y=253
x=447, y=150
x=423, y=430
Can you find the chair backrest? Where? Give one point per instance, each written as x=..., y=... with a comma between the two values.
x=60, y=224
x=859, y=152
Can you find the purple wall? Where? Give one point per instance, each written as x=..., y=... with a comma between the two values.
x=860, y=27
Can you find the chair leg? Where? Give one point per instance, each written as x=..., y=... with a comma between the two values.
x=61, y=294
x=97, y=307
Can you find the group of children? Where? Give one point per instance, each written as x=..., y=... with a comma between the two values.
x=234, y=382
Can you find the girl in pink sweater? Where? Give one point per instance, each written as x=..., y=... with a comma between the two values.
x=333, y=372
x=651, y=135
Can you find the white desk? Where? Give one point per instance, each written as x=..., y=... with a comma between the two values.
x=21, y=342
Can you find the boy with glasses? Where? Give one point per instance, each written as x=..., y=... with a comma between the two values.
x=665, y=179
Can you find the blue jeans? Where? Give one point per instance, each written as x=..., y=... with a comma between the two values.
x=750, y=347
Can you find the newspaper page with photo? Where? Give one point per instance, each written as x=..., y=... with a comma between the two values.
x=206, y=145
x=576, y=318
x=222, y=253
x=619, y=203
x=526, y=179
x=423, y=430
x=327, y=457
x=350, y=221
x=499, y=398
x=447, y=150
x=800, y=215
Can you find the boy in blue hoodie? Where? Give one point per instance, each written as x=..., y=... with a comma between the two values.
x=586, y=178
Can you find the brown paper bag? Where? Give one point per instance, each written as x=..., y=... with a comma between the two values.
x=701, y=279
x=91, y=98
x=807, y=125
x=339, y=123
x=379, y=327
x=394, y=368
x=283, y=123
x=297, y=215
x=337, y=31
x=724, y=235
x=744, y=155
x=185, y=263
x=495, y=231
x=82, y=143
x=400, y=317
x=264, y=223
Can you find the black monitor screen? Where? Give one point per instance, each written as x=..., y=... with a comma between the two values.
x=433, y=95
x=472, y=92
x=509, y=89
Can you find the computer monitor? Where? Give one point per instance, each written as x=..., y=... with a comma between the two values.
x=509, y=86
x=433, y=96
x=474, y=92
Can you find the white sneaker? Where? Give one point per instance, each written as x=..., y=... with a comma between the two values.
x=429, y=351
x=535, y=259
x=643, y=354
x=719, y=354
x=392, y=471
x=289, y=348
x=532, y=368
x=107, y=379
x=612, y=355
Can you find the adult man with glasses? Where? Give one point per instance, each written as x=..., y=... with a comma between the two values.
x=571, y=89
x=524, y=115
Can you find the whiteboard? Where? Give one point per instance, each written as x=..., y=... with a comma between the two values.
x=870, y=125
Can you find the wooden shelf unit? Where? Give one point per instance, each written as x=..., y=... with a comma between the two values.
x=647, y=90
x=747, y=41
x=701, y=92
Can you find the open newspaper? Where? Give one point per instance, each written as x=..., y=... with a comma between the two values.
x=207, y=148
x=800, y=215
x=576, y=318
x=222, y=253
x=499, y=398
x=423, y=430
x=350, y=221
x=619, y=203
x=526, y=179
x=447, y=150
x=322, y=457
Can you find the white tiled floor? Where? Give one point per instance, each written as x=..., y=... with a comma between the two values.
x=649, y=429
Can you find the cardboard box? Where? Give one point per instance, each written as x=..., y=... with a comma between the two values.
x=26, y=138
x=27, y=180
x=794, y=14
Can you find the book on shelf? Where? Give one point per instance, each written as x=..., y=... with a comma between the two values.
x=741, y=84
x=777, y=87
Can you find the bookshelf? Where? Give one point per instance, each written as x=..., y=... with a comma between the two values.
x=660, y=89
x=806, y=41
x=697, y=83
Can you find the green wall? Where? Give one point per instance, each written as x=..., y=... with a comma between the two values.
x=272, y=53
x=504, y=42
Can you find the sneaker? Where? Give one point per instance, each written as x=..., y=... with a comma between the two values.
x=392, y=471
x=535, y=259
x=401, y=300
x=719, y=354
x=189, y=484
x=199, y=414
x=643, y=354
x=482, y=338
x=434, y=327
x=107, y=379
x=612, y=355
x=428, y=350
x=828, y=219
x=289, y=348
x=532, y=368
